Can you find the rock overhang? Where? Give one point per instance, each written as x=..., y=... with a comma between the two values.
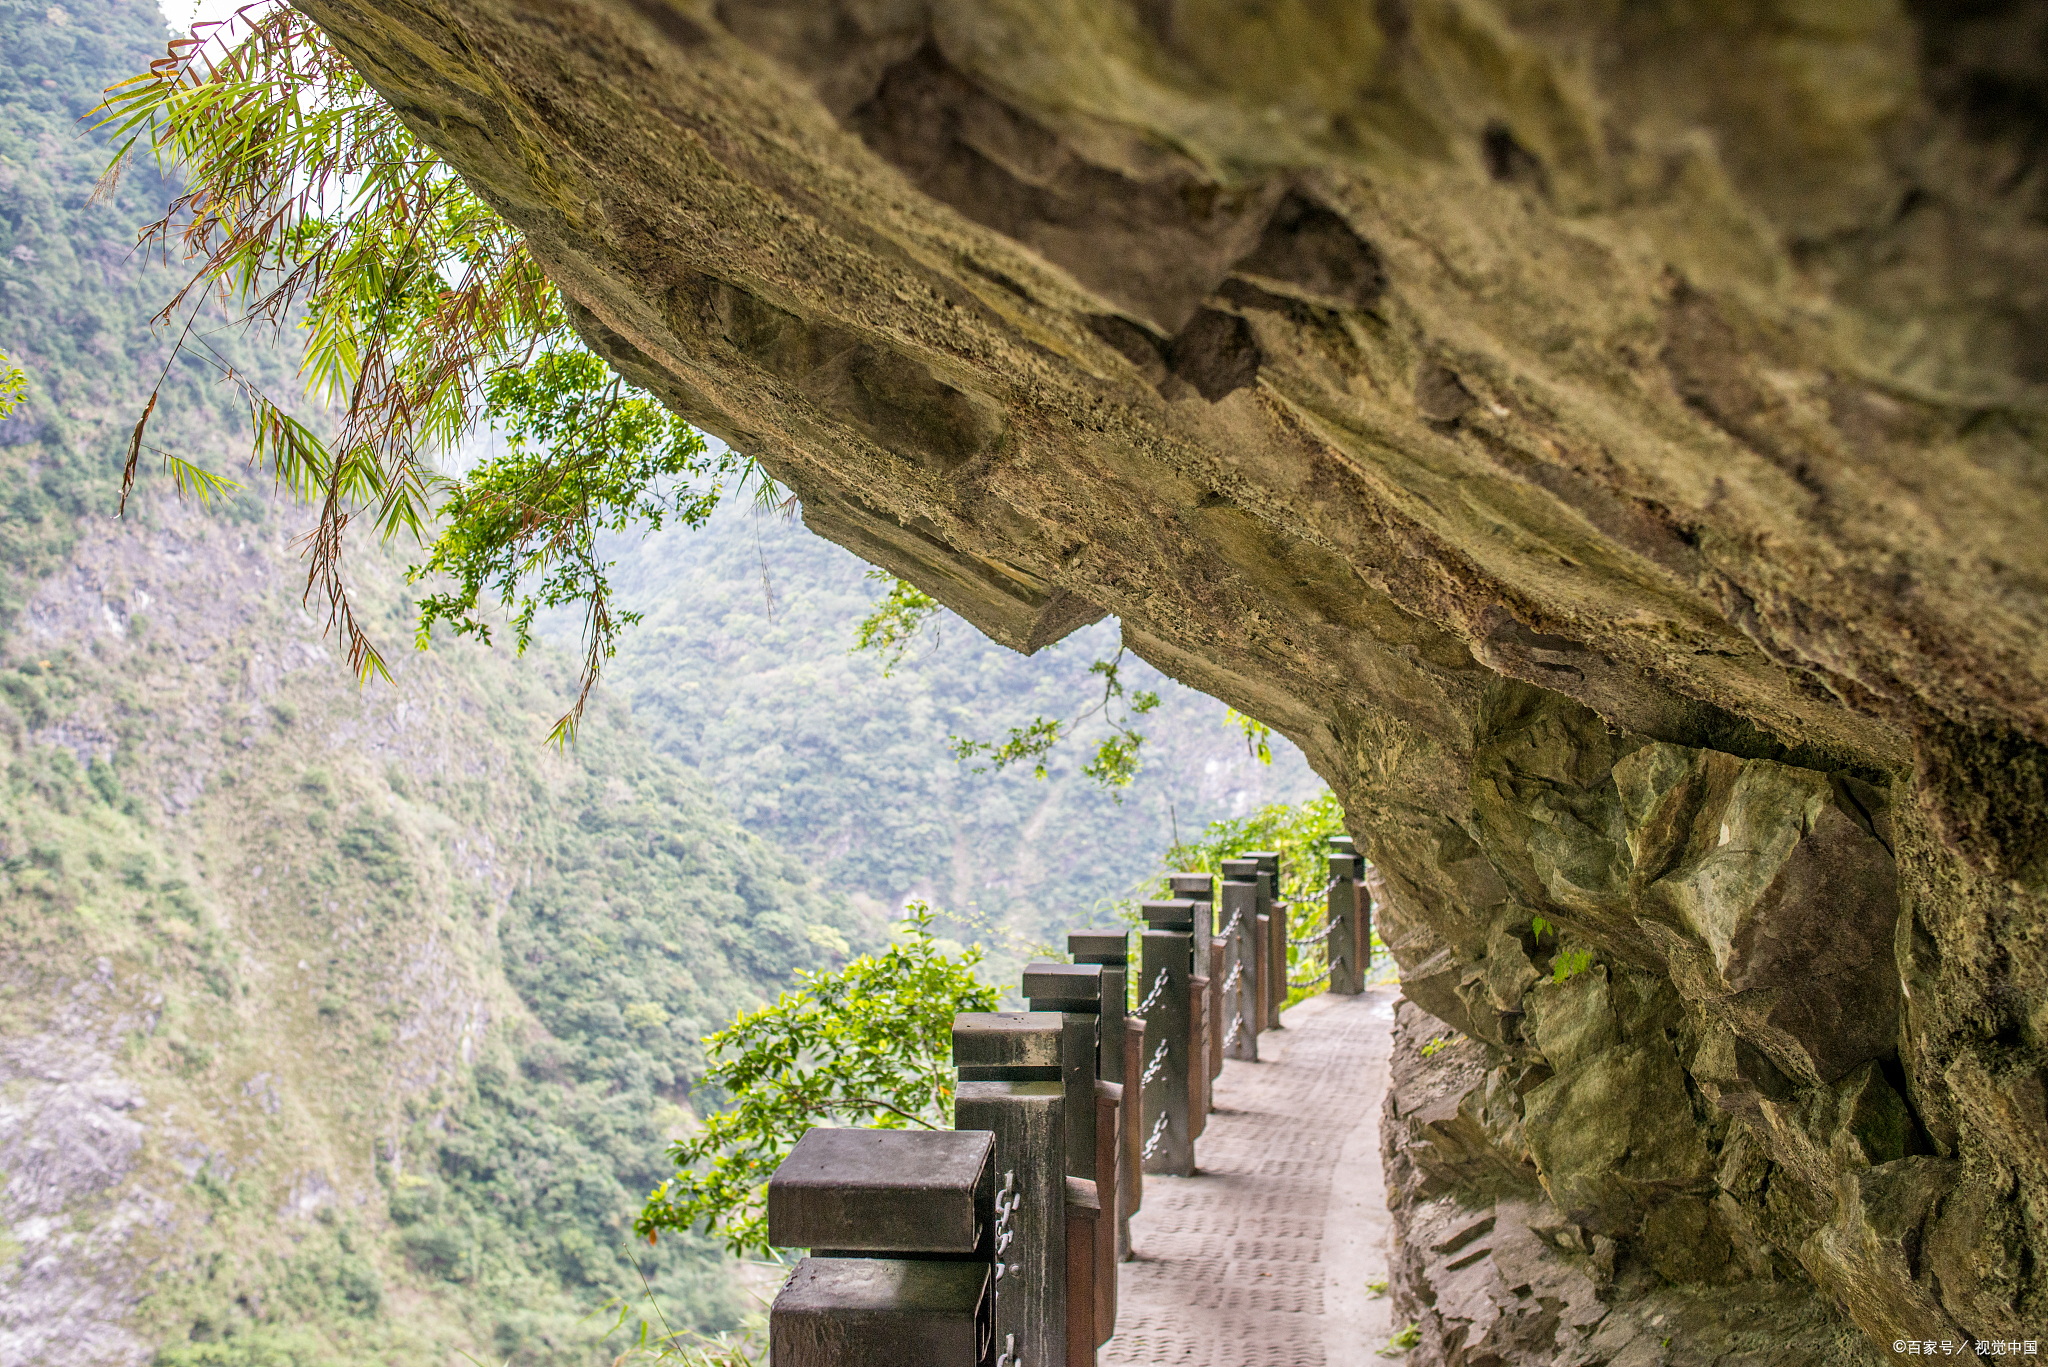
x=1428, y=380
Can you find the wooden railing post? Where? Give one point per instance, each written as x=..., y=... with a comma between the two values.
x=1239, y=908
x=1084, y=1273
x=1347, y=973
x=1111, y=951
x=1168, y=955
x=1074, y=992
x=1203, y=992
x=1132, y=1193
x=901, y=1228
x=1080, y=992
x=1362, y=898
x=1275, y=958
x=1011, y=1067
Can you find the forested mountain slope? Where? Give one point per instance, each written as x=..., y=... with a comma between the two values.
x=335, y=1026
x=742, y=669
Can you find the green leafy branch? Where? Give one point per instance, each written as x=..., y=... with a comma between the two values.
x=893, y=625
x=13, y=384
x=868, y=1044
x=587, y=455
x=1115, y=762
x=906, y=610
x=1258, y=737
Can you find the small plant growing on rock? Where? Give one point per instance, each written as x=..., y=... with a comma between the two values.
x=1403, y=1342
x=1439, y=1044
x=1570, y=963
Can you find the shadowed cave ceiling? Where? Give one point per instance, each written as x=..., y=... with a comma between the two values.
x=1608, y=439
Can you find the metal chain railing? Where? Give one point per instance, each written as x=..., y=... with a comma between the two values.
x=1318, y=937
x=1315, y=978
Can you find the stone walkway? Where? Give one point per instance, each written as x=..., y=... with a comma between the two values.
x=1265, y=1257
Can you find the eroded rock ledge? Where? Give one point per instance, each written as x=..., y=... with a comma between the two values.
x=1608, y=440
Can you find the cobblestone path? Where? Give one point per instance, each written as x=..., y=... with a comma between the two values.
x=1265, y=1257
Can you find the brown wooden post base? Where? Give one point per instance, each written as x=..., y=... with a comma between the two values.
x=1084, y=1214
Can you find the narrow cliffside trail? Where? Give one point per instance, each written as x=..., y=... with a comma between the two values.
x=1266, y=1256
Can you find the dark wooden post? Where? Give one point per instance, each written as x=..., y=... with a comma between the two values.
x=1275, y=912
x=849, y=1193
x=1347, y=972
x=1012, y=1084
x=1109, y=1162
x=1084, y=1229
x=1080, y=992
x=1203, y=985
x=1168, y=1146
x=1239, y=908
x=1075, y=992
x=1201, y=887
x=1362, y=890
x=901, y=1224
x=881, y=1312
x=1132, y=1193
x=1111, y=950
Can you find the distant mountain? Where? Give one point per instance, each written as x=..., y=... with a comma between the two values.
x=741, y=669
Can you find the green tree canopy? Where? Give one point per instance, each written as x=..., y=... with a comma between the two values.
x=868, y=1044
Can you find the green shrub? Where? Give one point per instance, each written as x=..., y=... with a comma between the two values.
x=415, y=1199
x=250, y=1346
x=440, y=1250
x=868, y=1044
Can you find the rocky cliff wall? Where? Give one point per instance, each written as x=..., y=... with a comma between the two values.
x=1607, y=439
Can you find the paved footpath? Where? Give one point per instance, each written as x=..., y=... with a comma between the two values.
x=1265, y=1257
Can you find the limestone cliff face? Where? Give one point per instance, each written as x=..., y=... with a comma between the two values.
x=1608, y=439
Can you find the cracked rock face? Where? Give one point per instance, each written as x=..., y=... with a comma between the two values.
x=1608, y=440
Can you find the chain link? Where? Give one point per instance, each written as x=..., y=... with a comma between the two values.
x=1158, y=1137
x=1152, y=997
x=1152, y=1068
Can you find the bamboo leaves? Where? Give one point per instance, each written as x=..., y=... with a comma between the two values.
x=586, y=456
x=313, y=209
